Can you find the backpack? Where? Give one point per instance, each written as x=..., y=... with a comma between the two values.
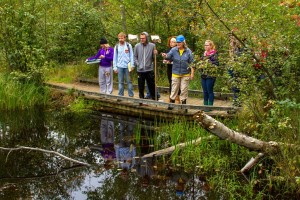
x=117, y=45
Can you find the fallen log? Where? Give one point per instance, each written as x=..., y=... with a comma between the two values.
x=172, y=148
x=217, y=128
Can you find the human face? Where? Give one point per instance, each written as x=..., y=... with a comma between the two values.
x=122, y=39
x=172, y=43
x=102, y=46
x=143, y=39
x=180, y=45
x=207, y=46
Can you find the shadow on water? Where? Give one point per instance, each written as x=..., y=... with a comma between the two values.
x=112, y=145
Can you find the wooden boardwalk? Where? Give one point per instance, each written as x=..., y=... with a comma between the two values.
x=145, y=108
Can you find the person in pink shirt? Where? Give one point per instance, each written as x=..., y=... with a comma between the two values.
x=209, y=64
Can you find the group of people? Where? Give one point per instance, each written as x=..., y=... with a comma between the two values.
x=123, y=58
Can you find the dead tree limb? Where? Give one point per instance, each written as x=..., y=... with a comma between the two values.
x=217, y=128
x=44, y=151
x=172, y=148
x=252, y=162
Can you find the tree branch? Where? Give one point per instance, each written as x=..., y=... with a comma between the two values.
x=172, y=148
x=44, y=151
x=217, y=128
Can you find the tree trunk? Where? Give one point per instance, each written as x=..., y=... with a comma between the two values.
x=222, y=131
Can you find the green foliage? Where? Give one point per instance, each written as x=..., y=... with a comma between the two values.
x=79, y=105
x=40, y=34
x=21, y=95
x=20, y=41
x=75, y=32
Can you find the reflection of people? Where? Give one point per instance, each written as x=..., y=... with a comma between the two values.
x=145, y=169
x=143, y=58
x=125, y=149
x=182, y=57
x=180, y=185
x=208, y=72
x=107, y=142
x=105, y=75
x=123, y=55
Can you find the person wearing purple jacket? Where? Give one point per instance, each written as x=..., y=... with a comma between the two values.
x=105, y=75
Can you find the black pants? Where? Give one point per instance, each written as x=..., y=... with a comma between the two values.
x=149, y=77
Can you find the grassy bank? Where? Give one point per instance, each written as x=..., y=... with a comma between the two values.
x=16, y=95
x=218, y=162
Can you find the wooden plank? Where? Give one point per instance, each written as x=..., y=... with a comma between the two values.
x=144, y=108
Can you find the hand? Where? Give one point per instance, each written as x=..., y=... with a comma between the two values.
x=102, y=56
x=155, y=52
x=164, y=55
x=166, y=62
x=116, y=71
x=192, y=76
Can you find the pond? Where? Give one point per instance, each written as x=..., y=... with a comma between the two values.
x=106, y=142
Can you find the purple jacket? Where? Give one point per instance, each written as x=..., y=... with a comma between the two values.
x=108, y=57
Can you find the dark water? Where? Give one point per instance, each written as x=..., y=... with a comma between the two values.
x=107, y=142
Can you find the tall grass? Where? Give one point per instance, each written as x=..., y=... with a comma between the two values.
x=220, y=160
x=16, y=95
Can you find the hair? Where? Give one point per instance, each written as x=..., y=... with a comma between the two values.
x=106, y=45
x=211, y=43
x=184, y=44
x=122, y=34
x=147, y=36
x=169, y=40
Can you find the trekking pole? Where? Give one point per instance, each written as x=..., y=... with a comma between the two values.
x=155, y=39
x=155, y=77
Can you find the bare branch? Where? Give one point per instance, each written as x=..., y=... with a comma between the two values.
x=44, y=151
x=172, y=148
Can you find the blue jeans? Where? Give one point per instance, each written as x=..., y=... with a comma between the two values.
x=208, y=89
x=121, y=73
x=234, y=89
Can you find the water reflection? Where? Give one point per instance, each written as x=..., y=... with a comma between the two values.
x=109, y=143
x=107, y=131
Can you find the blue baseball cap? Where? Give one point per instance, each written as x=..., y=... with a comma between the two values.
x=180, y=38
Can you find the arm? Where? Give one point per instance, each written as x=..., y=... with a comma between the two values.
x=115, y=59
x=168, y=56
x=95, y=56
x=131, y=55
x=136, y=62
x=192, y=72
x=191, y=60
x=214, y=59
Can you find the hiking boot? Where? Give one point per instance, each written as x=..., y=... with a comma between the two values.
x=169, y=107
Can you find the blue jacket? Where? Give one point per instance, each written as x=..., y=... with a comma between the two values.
x=180, y=63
